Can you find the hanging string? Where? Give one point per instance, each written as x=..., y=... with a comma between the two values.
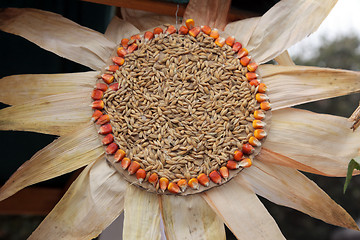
x=176, y=15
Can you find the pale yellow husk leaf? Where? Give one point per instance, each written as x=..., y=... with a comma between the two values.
x=146, y=20
x=284, y=59
x=56, y=114
x=58, y=35
x=286, y=23
x=64, y=155
x=142, y=215
x=294, y=85
x=288, y=187
x=240, y=209
x=320, y=141
x=242, y=29
x=119, y=29
x=20, y=89
x=190, y=217
x=91, y=204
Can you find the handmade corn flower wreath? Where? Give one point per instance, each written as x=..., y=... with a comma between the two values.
x=180, y=112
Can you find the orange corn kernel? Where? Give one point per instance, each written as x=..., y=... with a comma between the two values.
x=230, y=41
x=246, y=163
x=214, y=33
x=245, y=61
x=194, y=183
x=125, y=163
x=134, y=166
x=105, y=129
x=119, y=155
x=238, y=155
x=153, y=179
x=190, y=23
x=265, y=106
x=108, y=78
x=121, y=52
x=248, y=149
x=220, y=41
x=164, y=182
x=124, y=42
x=140, y=175
x=252, y=67
x=194, y=31
x=97, y=94
x=157, y=30
x=111, y=148
x=251, y=76
x=171, y=29
x=254, y=141
x=215, y=177
x=101, y=86
x=103, y=119
x=206, y=29
x=224, y=172
x=135, y=37
x=237, y=46
x=242, y=53
x=258, y=124
x=112, y=68
x=118, y=60
x=114, y=87
x=259, y=115
x=262, y=88
x=148, y=35
x=183, y=30
x=254, y=82
x=132, y=48
x=98, y=104
x=203, y=179
x=182, y=183
x=96, y=115
x=261, y=97
x=173, y=188
x=232, y=165
x=260, y=133
x=108, y=139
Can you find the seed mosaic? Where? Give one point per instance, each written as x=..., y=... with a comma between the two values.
x=178, y=109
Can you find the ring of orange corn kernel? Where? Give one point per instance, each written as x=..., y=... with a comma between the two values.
x=241, y=157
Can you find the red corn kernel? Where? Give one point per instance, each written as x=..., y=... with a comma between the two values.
x=214, y=33
x=230, y=41
x=134, y=166
x=254, y=82
x=215, y=177
x=262, y=88
x=224, y=172
x=245, y=61
x=171, y=29
x=251, y=76
x=237, y=46
x=232, y=165
x=259, y=115
x=203, y=179
x=194, y=31
x=148, y=35
x=125, y=163
x=173, y=188
x=261, y=97
x=153, y=179
x=103, y=119
x=183, y=30
x=97, y=94
x=135, y=37
x=118, y=60
x=114, y=87
x=164, y=182
x=112, y=68
x=119, y=155
x=190, y=23
x=140, y=175
x=220, y=41
x=121, y=52
x=242, y=53
x=132, y=48
x=206, y=29
x=124, y=42
x=265, y=106
x=101, y=86
x=260, y=134
x=96, y=115
x=248, y=149
x=108, y=139
x=182, y=183
x=158, y=30
x=238, y=155
x=193, y=183
x=107, y=78
x=105, y=129
x=254, y=141
x=111, y=148
x=97, y=104
x=258, y=124
x=252, y=67
x=246, y=163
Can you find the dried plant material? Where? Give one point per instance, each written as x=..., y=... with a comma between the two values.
x=355, y=117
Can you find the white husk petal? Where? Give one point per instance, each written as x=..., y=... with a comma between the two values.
x=119, y=29
x=242, y=30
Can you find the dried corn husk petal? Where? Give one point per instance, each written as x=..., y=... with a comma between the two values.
x=212, y=13
x=55, y=114
x=244, y=214
x=63, y=37
x=323, y=142
x=289, y=187
x=285, y=24
x=306, y=84
x=64, y=155
x=142, y=215
x=242, y=29
x=284, y=59
x=190, y=217
x=20, y=89
x=93, y=201
x=145, y=20
x=119, y=29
